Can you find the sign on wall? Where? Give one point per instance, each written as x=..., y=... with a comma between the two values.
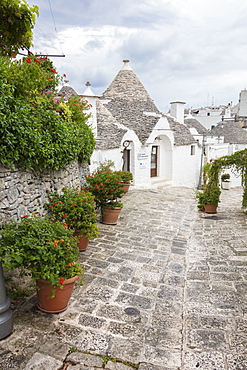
x=142, y=156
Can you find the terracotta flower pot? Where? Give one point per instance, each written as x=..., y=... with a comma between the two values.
x=59, y=302
x=210, y=208
x=110, y=216
x=126, y=187
x=83, y=241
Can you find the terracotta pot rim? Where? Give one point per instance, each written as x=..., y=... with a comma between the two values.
x=67, y=281
x=113, y=208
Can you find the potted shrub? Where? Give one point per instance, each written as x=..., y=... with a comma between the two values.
x=225, y=181
x=107, y=189
x=125, y=177
x=77, y=209
x=209, y=199
x=45, y=250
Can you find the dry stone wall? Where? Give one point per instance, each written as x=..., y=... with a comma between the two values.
x=25, y=192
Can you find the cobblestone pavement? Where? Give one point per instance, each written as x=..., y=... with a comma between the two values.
x=165, y=289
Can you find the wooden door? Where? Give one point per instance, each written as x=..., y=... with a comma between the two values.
x=154, y=161
x=126, y=160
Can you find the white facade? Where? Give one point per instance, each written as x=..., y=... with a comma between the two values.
x=209, y=116
x=242, y=107
x=216, y=148
x=176, y=165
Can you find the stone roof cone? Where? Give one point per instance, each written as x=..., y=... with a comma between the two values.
x=126, y=85
x=127, y=100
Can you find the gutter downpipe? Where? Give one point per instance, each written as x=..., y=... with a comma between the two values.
x=199, y=187
x=6, y=314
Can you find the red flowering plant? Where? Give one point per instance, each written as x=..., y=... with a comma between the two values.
x=106, y=186
x=32, y=75
x=40, y=248
x=76, y=208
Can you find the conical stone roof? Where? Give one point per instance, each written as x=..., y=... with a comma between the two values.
x=194, y=123
x=128, y=100
x=231, y=131
x=109, y=133
x=182, y=135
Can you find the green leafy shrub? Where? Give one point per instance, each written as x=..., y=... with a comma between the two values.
x=106, y=187
x=35, y=132
x=41, y=248
x=75, y=207
x=225, y=176
x=125, y=176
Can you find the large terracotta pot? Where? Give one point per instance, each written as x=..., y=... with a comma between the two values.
x=210, y=208
x=110, y=216
x=83, y=241
x=59, y=302
x=126, y=187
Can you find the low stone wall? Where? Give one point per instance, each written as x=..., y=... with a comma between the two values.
x=24, y=192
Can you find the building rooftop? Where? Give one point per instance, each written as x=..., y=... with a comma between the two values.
x=109, y=133
x=231, y=131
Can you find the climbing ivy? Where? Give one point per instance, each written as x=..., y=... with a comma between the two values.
x=238, y=164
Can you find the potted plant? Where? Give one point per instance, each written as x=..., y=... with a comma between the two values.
x=76, y=208
x=45, y=250
x=125, y=177
x=209, y=199
x=225, y=181
x=107, y=189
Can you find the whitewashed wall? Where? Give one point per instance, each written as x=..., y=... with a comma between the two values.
x=186, y=167
x=216, y=149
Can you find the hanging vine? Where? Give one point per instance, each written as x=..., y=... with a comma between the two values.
x=238, y=164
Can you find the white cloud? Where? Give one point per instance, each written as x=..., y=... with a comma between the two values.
x=189, y=50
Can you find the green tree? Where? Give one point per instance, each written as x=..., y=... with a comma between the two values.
x=17, y=20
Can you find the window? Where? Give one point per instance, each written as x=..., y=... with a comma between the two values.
x=192, y=150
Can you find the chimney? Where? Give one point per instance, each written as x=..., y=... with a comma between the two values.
x=177, y=110
x=126, y=66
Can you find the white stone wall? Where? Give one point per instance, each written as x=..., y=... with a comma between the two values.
x=219, y=149
x=24, y=192
x=186, y=167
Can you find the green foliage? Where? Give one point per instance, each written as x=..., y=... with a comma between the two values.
x=125, y=176
x=75, y=207
x=40, y=247
x=34, y=131
x=211, y=195
x=106, y=187
x=30, y=76
x=225, y=176
x=238, y=164
x=17, y=20
x=105, y=166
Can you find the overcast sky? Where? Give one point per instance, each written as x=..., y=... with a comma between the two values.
x=188, y=50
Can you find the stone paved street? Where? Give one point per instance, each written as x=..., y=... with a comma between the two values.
x=164, y=289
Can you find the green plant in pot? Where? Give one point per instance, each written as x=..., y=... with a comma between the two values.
x=107, y=188
x=209, y=199
x=211, y=195
x=225, y=181
x=225, y=177
x=125, y=177
x=75, y=207
x=46, y=251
